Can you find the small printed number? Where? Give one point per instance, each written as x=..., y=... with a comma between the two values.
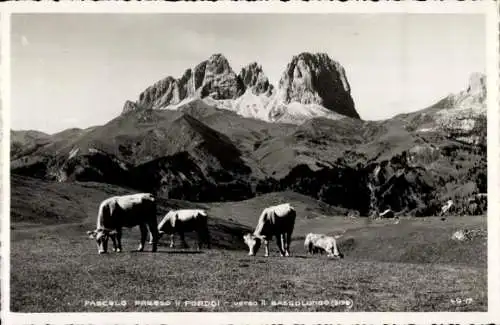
x=460, y=301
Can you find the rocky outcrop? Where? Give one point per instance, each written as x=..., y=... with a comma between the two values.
x=315, y=79
x=129, y=106
x=164, y=92
x=474, y=97
x=213, y=77
x=253, y=78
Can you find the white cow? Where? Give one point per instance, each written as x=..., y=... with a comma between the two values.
x=187, y=220
x=277, y=221
x=125, y=211
x=315, y=243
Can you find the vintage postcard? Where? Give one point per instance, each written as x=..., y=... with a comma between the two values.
x=250, y=163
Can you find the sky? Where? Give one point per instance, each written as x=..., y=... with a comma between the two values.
x=77, y=70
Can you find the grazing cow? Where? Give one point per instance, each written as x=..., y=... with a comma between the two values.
x=125, y=211
x=181, y=221
x=315, y=243
x=309, y=243
x=277, y=221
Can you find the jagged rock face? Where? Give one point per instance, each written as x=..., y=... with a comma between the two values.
x=317, y=79
x=162, y=89
x=219, y=80
x=213, y=77
x=474, y=96
x=129, y=106
x=254, y=78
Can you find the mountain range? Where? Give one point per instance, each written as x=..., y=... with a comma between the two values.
x=214, y=135
x=312, y=85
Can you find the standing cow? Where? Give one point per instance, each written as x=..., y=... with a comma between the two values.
x=277, y=221
x=318, y=243
x=181, y=221
x=125, y=211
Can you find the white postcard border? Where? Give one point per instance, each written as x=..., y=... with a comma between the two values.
x=488, y=8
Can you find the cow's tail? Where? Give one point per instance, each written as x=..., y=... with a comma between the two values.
x=152, y=223
x=293, y=215
x=260, y=223
x=103, y=214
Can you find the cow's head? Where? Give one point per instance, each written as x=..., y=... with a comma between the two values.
x=101, y=237
x=168, y=227
x=253, y=242
x=336, y=252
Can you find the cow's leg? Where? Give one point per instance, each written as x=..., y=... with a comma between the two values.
x=200, y=238
x=113, y=239
x=266, y=246
x=144, y=234
x=283, y=244
x=329, y=251
x=279, y=242
x=207, y=238
x=154, y=237
x=183, y=240
x=288, y=240
x=172, y=240
x=119, y=239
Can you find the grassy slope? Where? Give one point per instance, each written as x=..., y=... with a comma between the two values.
x=55, y=267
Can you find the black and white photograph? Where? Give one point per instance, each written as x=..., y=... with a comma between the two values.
x=248, y=162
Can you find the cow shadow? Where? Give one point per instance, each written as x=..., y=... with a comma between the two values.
x=300, y=256
x=262, y=258
x=182, y=252
x=173, y=252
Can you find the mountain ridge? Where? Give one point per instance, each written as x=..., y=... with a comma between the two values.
x=314, y=80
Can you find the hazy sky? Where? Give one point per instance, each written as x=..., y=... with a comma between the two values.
x=77, y=70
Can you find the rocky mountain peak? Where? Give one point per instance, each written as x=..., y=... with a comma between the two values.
x=218, y=64
x=253, y=78
x=473, y=98
x=317, y=79
x=219, y=80
x=477, y=85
